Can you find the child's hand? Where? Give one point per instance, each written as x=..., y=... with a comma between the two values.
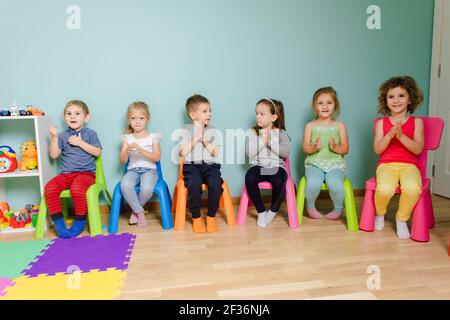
x=393, y=132
x=317, y=145
x=332, y=143
x=75, y=140
x=134, y=148
x=53, y=131
x=265, y=136
x=399, y=133
x=199, y=128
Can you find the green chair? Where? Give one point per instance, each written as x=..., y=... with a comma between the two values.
x=92, y=196
x=350, y=209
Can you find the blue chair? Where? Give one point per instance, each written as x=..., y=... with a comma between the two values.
x=161, y=190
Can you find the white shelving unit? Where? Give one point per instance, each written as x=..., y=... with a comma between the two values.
x=45, y=170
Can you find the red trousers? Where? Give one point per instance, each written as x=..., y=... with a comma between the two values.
x=77, y=182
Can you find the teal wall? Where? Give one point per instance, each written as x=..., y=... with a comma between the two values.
x=234, y=52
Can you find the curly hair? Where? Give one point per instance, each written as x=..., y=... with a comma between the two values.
x=407, y=83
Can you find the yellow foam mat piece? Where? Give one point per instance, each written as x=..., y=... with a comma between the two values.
x=93, y=285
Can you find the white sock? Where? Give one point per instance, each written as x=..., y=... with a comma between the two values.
x=402, y=230
x=379, y=223
x=261, y=219
x=269, y=216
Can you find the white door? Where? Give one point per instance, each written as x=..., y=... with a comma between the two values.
x=441, y=181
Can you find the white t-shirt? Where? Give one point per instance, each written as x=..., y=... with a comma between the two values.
x=137, y=160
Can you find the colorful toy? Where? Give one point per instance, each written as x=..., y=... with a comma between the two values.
x=4, y=220
x=8, y=161
x=20, y=219
x=4, y=112
x=29, y=156
x=16, y=219
x=30, y=111
x=14, y=111
x=4, y=206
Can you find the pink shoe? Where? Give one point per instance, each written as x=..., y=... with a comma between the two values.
x=333, y=215
x=133, y=218
x=313, y=213
x=141, y=219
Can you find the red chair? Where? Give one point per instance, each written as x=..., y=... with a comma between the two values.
x=423, y=216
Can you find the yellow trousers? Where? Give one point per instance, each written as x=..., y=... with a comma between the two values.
x=388, y=177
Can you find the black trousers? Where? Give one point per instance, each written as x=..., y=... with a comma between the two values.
x=194, y=176
x=276, y=176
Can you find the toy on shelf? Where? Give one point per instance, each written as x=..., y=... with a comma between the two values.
x=4, y=112
x=15, y=111
x=8, y=160
x=16, y=219
x=4, y=218
x=4, y=206
x=29, y=159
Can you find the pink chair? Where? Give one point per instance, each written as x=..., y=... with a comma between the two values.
x=423, y=216
x=290, y=198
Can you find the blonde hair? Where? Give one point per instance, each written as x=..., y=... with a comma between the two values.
x=78, y=103
x=136, y=106
x=333, y=94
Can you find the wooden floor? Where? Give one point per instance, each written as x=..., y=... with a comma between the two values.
x=319, y=260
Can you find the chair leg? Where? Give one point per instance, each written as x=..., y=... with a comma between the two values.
x=350, y=208
x=291, y=204
x=430, y=210
x=40, y=223
x=180, y=213
x=228, y=204
x=174, y=200
x=164, y=205
x=243, y=207
x=420, y=231
x=301, y=199
x=367, y=220
x=65, y=207
x=95, y=221
x=116, y=204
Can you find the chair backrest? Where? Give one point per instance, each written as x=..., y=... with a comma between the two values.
x=432, y=134
x=288, y=167
x=99, y=173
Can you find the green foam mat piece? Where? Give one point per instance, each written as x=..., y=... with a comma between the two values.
x=17, y=255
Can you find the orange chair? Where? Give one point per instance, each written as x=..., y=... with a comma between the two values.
x=180, y=198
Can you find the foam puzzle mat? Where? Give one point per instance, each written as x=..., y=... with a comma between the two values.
x=88, y=268
x=93, y=285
